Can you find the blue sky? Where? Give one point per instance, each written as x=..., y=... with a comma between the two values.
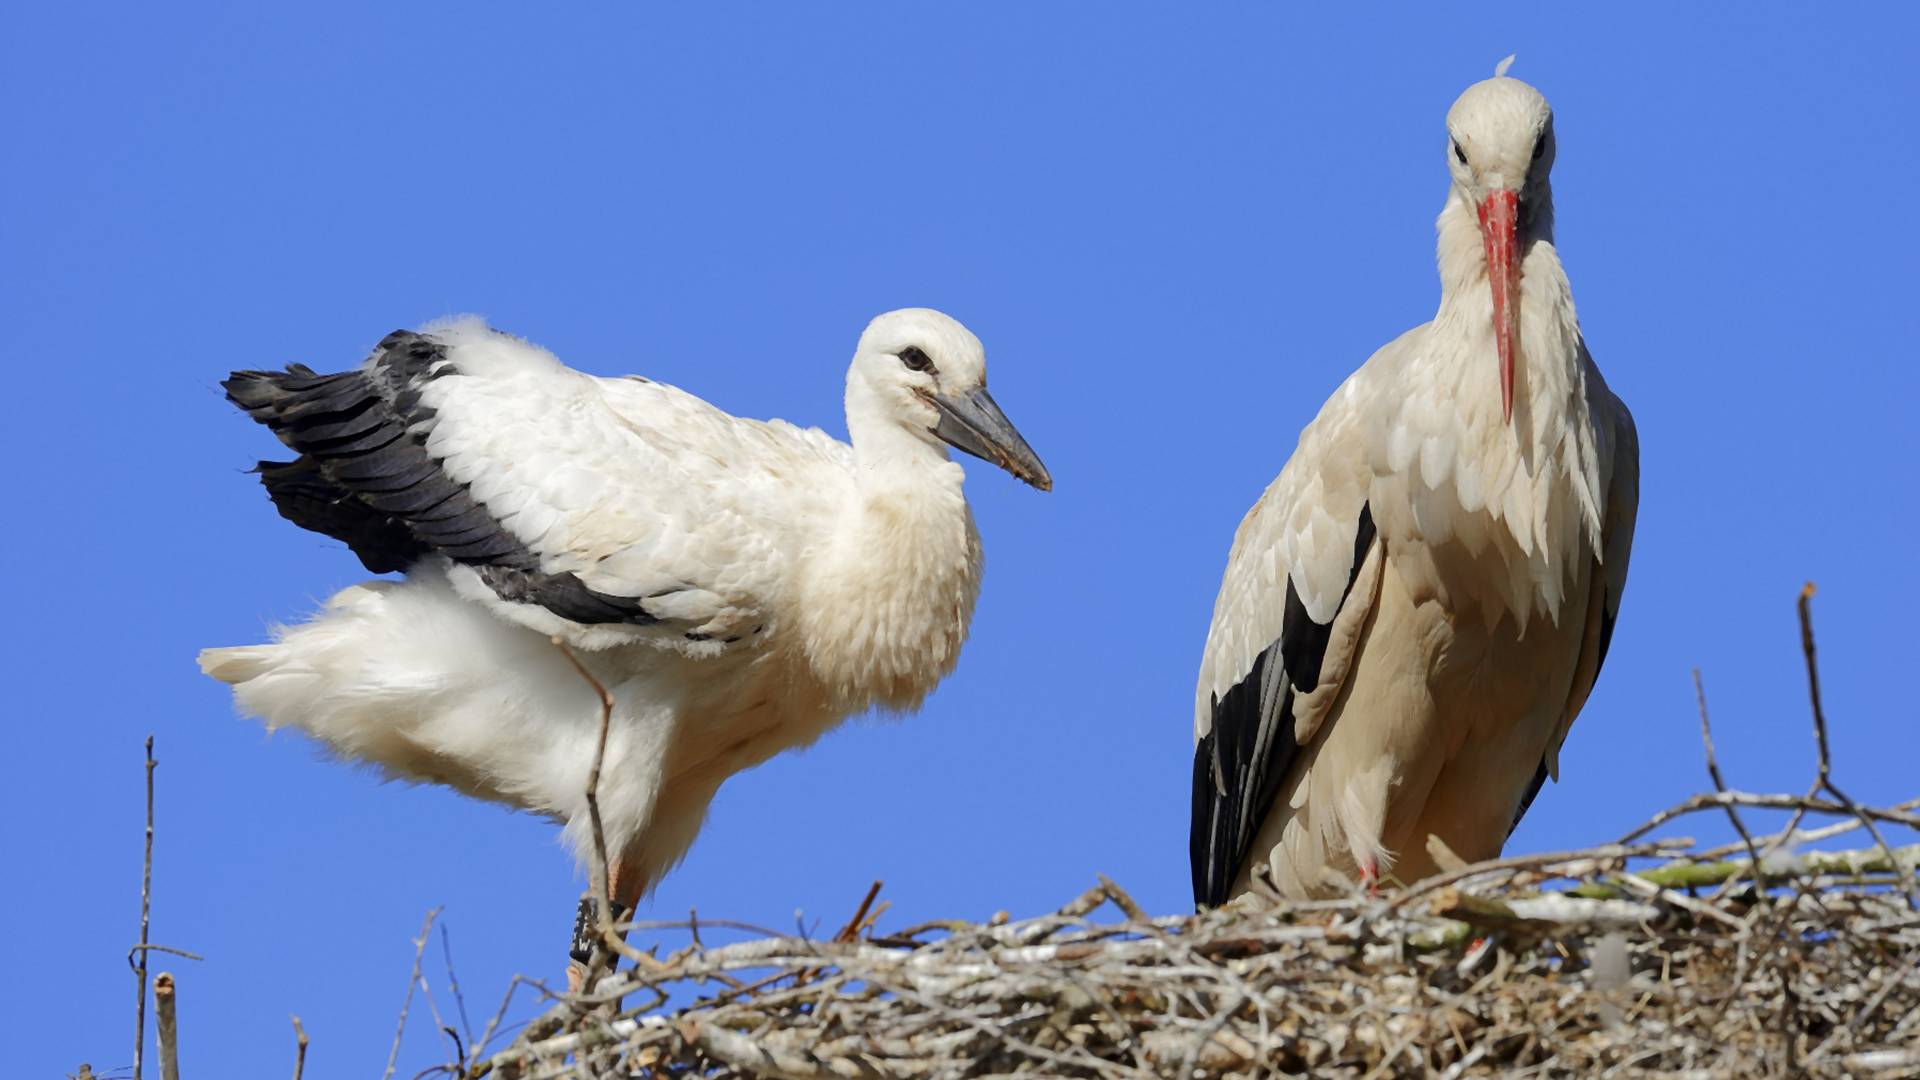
x=1176, y=228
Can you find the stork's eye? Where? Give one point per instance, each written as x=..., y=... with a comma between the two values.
x=915, y=359
x=1539, y=147
x=1459, y=153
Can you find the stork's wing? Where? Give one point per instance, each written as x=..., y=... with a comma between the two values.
x=1609, y=582
x=1289, y=577
x=561, y=499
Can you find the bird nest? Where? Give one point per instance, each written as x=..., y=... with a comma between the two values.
x=1772, y=955
x=1651, y=956
x=1782, y=953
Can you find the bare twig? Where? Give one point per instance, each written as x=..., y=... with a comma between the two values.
x=1610, y=853
x=1825, y=778
x=851, y=931
x=1802, y=804
x=406, y=1003
x=1713, y=772
x=166, y=1027
x=146, y=906
x=1808, y=836
x=144, y=949
x=1123, y=901
x=453, y=984
x=299, y=1048
x=500, y=1014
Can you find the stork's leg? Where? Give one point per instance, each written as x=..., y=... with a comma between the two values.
x=1370, y=877
x=626, y=886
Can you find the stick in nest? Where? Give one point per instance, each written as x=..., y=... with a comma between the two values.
x=1720, y=784
x=1825, y=777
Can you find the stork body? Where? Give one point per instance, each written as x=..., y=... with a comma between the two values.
x=1416, y=609
x=738, y=586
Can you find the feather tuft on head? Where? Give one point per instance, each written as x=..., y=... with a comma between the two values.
x=1500, y=69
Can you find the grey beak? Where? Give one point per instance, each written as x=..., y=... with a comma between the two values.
x=973, y=422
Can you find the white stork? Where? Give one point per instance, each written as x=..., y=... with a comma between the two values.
x=1416, y=609
x=740, y=587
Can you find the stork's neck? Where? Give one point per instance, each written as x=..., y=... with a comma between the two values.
x=1536, y=476
x=1549, y=376
x=891, y=589
x=888, y=454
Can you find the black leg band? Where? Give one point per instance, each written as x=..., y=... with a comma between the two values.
x=586, y=933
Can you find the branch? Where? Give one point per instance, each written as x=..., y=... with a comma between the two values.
x=300, y=1049
x=756, y=1059
x=168, y=1033
x=1804, y=804
x=1825, y=779
x=1684, y=875
x=1825, y=832
x=1713, y=768
x=406, y=1003
x=1610, y=853
x=146, y=905
x=459, y=1000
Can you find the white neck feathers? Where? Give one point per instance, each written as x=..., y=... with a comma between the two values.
x=1525, y=493
x=890, y=587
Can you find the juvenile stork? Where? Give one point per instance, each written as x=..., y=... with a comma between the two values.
x=1416, y=609
x=738, y=586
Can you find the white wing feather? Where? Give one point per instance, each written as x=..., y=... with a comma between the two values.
x=635, y=487
x=1302, y=528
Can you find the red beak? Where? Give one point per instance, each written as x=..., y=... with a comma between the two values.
x=1498, y=216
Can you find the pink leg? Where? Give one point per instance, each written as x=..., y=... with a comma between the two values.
x=627, y=889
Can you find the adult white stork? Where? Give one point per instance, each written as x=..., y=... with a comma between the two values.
x=1416, y=609
x=739, y=586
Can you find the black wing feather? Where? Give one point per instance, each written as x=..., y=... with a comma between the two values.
x=304, y=496
x=364, y=477
x=1239, y=766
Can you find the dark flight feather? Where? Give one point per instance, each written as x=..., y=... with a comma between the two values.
x=365, y=478
x=1239, y=766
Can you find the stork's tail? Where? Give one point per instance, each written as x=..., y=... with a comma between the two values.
x=310, y=676
x=236, y=665
x=401, y=675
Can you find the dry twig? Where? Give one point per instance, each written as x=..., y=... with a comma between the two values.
x=406, y=1003
x=1713, y=771
x=146, y=907
x=165, y=1026
x=1825, y=778
x=299, y=1049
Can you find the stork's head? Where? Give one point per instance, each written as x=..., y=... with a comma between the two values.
x=1500, y=149
x=926, y=373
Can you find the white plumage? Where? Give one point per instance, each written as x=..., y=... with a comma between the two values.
x=1416, y=609
x=739, y=586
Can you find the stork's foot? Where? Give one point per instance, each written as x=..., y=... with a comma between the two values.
x=1370, y=877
